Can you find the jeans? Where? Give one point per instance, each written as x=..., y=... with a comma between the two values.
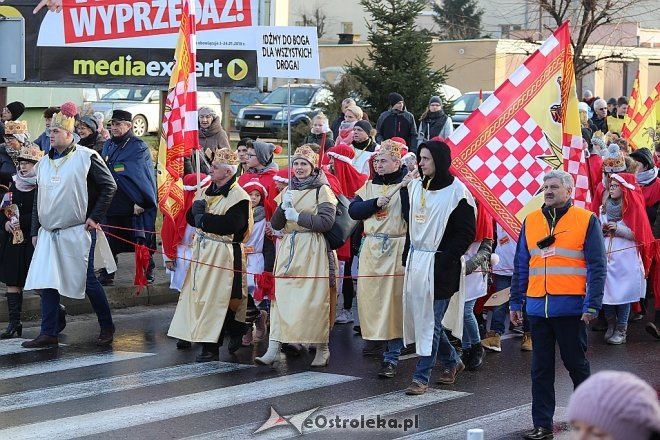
x=500, y=312
x=619, y=311
x=393, y=351
x=50, y=300
x=570, y=333
x=470, y=326
x=441, y=346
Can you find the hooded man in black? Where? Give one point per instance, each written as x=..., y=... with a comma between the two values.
x=441, y=227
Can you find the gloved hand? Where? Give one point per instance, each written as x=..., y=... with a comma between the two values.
x=198, y=220
x=198, y=207
x=470, y=266
x=287, y=200
x=291, y=214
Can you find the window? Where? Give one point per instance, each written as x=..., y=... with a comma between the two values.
x=346, y=27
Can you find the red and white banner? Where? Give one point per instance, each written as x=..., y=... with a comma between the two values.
x=527, y=127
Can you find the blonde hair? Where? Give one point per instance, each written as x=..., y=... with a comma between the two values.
x=320, y=116
x=357, y=111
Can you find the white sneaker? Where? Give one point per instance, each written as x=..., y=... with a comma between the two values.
x=344, y=317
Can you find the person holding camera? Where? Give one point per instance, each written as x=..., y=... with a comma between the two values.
x=560, y=265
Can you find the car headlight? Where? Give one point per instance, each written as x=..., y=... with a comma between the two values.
x=241, y=113
x=282, y=115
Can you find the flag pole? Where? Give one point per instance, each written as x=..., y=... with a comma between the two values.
x=288, y=130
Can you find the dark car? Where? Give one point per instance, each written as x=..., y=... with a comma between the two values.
x=466, y=104
x=268, y=117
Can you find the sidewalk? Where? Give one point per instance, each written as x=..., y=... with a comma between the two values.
x=121, y=295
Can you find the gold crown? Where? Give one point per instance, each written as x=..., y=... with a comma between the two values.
x=305, y=152
x=391, y=148
x=60, y=120
x=30, y=152
x=226, y=156
x=16, y=127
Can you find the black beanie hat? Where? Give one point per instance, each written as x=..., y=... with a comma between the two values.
x=393, y=98
x=364, y=125
x=16, y=108
x=644, y=156
x=435, y=100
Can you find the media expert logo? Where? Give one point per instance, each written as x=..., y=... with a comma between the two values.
x=304, y=420
x=237, y=69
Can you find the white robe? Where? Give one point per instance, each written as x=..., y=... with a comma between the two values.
x=625, y=281
x=62, y=253
x=425, y=238
x=183, y=257
x=254, y=248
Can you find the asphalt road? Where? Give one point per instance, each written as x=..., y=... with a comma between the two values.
x=144, y=388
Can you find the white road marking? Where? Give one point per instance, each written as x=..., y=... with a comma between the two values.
x=128, y=416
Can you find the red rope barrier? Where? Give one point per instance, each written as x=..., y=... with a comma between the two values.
x=156, y=251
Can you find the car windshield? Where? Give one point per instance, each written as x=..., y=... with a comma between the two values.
x=299, y=96
x=469, y=102
x=126, y=95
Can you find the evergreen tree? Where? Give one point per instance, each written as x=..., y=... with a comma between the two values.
x=399, y=59
x=458, y=19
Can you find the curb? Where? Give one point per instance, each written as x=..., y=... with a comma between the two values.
x=119, y=297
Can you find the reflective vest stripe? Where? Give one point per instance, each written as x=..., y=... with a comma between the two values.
x=558, y=271
x=561, y=252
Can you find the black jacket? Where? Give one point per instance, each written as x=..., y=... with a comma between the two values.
x=7, y=167
x=101, y=188
x=393, y=123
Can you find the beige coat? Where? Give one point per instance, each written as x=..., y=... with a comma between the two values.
x=301, y=310
x=380, y=302
x=206, y=293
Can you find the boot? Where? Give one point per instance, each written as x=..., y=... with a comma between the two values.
x=14, y=304
x=261, y=323
x=619, y=336
x=61, y=319
x=475, y=357
x=271, y=356
x=322, y=358
x=611, y=326
x=210, y=352
x=247, y=339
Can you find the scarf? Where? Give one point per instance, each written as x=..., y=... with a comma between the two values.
x=646, y=177
x=270, y=166
x=613, y=210
x=26, y=182
x=13, y=154
x=258, y=213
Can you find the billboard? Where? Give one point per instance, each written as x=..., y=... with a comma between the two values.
x=112, y=42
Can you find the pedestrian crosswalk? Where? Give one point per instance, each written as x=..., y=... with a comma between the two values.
x=128, y=399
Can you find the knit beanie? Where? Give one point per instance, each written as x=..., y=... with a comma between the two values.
x=364, y=125
x=644, y=156
x=90, y=122
x=264, y=151
x=16, y=108
x=435, y=100
x=393, y=98
x=618, y=403
x=205, y=111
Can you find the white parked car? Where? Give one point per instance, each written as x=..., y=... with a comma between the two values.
x=144, y=105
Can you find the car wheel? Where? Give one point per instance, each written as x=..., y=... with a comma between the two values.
x=139, y=126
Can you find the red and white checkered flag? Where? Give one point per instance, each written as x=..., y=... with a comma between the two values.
x=178, y=136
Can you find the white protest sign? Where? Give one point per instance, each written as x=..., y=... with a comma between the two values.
x=288, y=52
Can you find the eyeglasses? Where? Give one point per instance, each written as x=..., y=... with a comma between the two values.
x=251, y=155
x=601, y=108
